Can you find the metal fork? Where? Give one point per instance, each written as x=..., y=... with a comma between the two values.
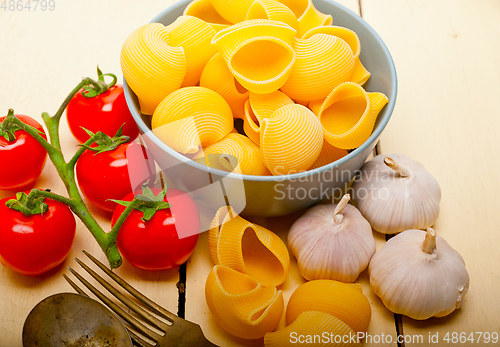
x=177, y=332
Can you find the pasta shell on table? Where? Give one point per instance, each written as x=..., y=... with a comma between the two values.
x=342, y=300
x=311, y=323
x=258, y=53
x=233, y=11
x=308, y=16
x=323, y=62
x=360, y=74
x=274, y=10
x=190, y=118
x=195, y=36
x=348, y=114
x=205, y=10
x=151, y=66
x=216, y=76
x=248, y=248
x=241, y=305
x=328, y=155
x=236, y=153
x=291, y=139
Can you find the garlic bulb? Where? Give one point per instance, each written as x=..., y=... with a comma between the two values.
x=332, y=242
x=395, y=193
x=419, y=275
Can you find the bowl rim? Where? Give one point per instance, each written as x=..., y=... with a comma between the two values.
x=389, y=108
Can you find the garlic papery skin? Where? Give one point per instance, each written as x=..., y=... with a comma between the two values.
x=332, y=242
x=418, y=274
x=395, y=193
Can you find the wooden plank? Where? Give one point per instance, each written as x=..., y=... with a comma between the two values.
x=44, y=55
x=446, y=117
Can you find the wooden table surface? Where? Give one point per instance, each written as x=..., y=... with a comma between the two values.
x=447, y=117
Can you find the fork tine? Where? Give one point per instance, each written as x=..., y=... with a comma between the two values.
x=138, y=340
x=117, y=309
x=75, y=287
x=145, y=300
x=129, y=303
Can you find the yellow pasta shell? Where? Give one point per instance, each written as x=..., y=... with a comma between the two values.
x=192, y=117
x=341, y=300
x=308, y=16
x=258, y=53
x=251, y=125
x=195, y=36
x=274, y=10
x=264, y=105
x=152, y=68
x=234, y=11
x=241, y=305
x=323, y=62
x=237, y=152
x=348, y=114
x=248, y=248
x=361, y=74
x=328, y=155
x=311, y=323
x=204, y=10
x=216, y=76
x=349, y=36
x=291, y=139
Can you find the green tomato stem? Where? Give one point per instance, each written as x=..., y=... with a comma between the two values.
x=114, y=231
x=107, y=241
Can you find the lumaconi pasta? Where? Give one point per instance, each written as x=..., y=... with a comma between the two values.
x=291, y=139
x=308, y=16
x=258, y=53
x=312, y=323
x=259, y=107
x=235, y=152
x=216, y=76
x=360, y=74
x=323, y=62
x=274, y=10
x=153, y=69
x=328, y=155
x=341, y=300
x=248, y=248
x=348, y=114
x=241, y=305
x=198, y=48
x=192, y=117
x=234, y=11
x=205, y=10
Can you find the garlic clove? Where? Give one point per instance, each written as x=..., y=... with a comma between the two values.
x=332, y=242
x=395, y=193
x=418, y=274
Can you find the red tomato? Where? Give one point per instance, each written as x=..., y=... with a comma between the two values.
x=32, y=245
x=110, y=175
x=155, y=244
x=22, y=160
x=106, y=112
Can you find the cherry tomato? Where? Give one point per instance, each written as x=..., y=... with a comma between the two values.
x=32, y=245
x=23, y=159
x=106, y=112
x=110, y=175
x=155, y=244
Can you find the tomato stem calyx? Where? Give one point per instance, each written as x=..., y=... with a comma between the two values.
x=147, y=202
x=104, y=142
x=9, y=127
x=28, y=205
x=100, y=86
